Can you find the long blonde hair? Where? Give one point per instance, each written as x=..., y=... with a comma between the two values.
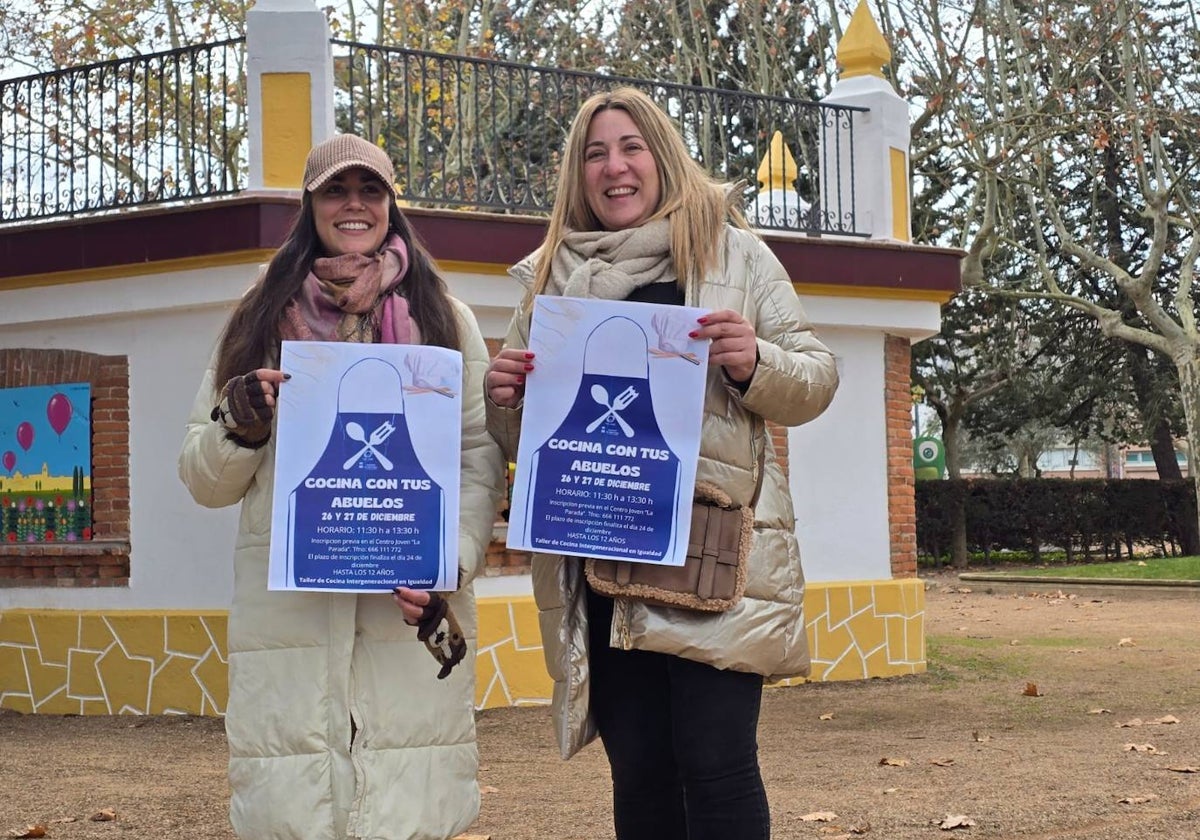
x=696, y=205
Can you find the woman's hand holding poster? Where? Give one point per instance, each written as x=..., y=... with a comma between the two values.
x=367, y=464
x=610, y=431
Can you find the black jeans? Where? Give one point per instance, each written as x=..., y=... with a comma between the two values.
x=681, y=739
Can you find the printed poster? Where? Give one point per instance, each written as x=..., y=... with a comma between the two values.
x=367, y=465
x=610, y=432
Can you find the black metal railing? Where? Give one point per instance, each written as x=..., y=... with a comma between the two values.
x=148, y=129
x=487, y=135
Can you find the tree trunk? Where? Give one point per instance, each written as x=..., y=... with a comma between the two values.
x=958, y=510
x=1188, y=365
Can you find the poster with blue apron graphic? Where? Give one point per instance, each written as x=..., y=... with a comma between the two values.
x=367, y=463
x=610, y=431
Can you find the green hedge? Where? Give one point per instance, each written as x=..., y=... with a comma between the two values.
x=1081, y=517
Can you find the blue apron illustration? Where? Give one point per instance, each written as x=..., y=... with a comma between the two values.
x=368, y=513
x=606, y=481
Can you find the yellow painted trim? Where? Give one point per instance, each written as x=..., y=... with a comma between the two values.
x=108, y=272
x=468, y=267
x=820, y=289
x=873, y=292
x=286, y=128
x=900, y=200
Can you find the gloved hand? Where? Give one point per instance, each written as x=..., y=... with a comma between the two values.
x=244, y=412
x=443, y=636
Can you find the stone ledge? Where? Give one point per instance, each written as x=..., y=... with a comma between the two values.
x=1094, y=587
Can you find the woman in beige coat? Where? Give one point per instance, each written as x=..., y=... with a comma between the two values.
x=340, y=724
x=674, y=694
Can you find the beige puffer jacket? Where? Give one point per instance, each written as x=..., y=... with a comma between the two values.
x=303, y=665
x=794, y=382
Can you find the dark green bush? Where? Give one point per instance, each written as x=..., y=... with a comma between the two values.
x=1088, y=517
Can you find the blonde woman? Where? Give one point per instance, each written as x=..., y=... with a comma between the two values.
x=674, y=695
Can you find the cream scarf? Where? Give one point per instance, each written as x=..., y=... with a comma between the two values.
x=609, y=264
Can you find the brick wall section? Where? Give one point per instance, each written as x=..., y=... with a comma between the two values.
x=902, y=504
x=104, y=561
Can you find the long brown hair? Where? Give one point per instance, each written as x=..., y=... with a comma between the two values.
x=251, y=337
x=697, y=205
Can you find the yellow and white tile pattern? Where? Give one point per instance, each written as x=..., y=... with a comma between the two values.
x=145, y=662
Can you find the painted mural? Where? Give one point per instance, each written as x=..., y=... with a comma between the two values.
x=46, y=461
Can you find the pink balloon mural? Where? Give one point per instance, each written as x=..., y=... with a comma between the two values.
x=10, y=460
x=58, y=412
x=25, y=435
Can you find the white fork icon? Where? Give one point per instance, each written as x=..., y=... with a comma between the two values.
x=600, y=395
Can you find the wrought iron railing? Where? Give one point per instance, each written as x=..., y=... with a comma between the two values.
x=148, y=129
x=487, y=135
x=464, y=133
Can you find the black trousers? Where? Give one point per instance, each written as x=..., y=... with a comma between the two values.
x=681, y=739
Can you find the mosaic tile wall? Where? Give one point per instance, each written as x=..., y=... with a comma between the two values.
x=142, y=662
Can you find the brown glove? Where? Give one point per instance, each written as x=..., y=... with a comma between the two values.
x=244, y=412
x=440, y=631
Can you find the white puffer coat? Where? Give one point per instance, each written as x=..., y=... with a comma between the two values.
x=304, y=665
x=794, y=382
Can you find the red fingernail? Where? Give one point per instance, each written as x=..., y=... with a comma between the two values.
x=520, y=380
x=528, y=367
x=702, y=320
x=528, y=355
x=693, y=334
x=286, y=377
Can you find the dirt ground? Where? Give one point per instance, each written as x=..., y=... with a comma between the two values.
x=1109, y=750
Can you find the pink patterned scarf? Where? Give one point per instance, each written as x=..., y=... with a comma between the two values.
x=354, y=297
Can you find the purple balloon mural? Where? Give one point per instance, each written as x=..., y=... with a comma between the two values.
x=25, y=435
x=10, y=460
x=58, y=412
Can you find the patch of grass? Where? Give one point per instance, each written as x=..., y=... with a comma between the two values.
x=952, y=660
x=1056, y=642
x=1154, y=568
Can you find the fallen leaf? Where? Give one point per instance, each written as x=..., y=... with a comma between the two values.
x=1143, y=748
x=30, y=831
x=891, y=790
x=955, y=821
x=488, y=789
x=1015, y=642
x=1127, y=724
x=103, y=815
x=894, y=762
x=1137, y=800
x=942, y=762
x=1099, y=712
x=1166, y=719
x=819, y=816
x=1127, y=642
x=1032, y=690
x=1140, y=563
x=64, y=820
x=826, y=716
x=1187, y=769
x=860, y=829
